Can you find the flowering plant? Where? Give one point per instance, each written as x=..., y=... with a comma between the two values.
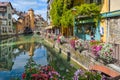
x=104, y=51
x=61, y=39
x=37, y=72
x=88, y=75
x=79, y=44
x=96, y=50
x=72, y=43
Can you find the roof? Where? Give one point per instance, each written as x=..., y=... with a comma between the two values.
x=31, y=9
x=6, y=4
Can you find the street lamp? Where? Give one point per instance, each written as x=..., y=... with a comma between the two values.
x=74, y=26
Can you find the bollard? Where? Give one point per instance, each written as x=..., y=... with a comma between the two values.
x=68, y=56
x=59, y=50
x=53, y=46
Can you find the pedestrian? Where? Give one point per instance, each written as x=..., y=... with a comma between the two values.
x=92, y=36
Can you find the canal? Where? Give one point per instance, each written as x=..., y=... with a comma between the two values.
x=17, y=52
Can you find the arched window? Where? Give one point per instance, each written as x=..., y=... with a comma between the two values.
x=9, y=16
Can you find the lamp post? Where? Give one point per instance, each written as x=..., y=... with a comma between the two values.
x=74, y=26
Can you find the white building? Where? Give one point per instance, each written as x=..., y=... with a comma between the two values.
x=6, y=26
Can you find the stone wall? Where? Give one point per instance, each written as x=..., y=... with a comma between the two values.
x=114, y=27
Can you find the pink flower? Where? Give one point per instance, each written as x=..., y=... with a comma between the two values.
x=35, y=75
x=23, y=76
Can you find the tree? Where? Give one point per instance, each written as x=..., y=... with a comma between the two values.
x=56, y=11
x=67, y=19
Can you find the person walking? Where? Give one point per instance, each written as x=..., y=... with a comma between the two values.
x=92, y=36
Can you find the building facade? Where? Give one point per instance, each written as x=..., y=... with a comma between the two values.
x=26, y=20
x=85, y=27
x=32, y=18
x=6, y=18
x=110, y=21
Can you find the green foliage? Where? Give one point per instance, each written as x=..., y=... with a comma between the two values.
x=61, y=12
x=56, y=11
x=67, y=19
x=89, y=10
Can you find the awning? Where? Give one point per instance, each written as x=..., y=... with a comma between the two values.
x=49, y=27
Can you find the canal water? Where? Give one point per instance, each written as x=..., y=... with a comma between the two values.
x=16, y=52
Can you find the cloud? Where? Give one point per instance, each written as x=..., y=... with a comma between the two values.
x=43, y=12
x=43, y=0
x=5, y=0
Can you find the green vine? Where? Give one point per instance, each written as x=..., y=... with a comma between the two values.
x=61, y=12
x=89, y=10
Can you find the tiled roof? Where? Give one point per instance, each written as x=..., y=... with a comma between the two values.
x=31, y=9
x=5, y=4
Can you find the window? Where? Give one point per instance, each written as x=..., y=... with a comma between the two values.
x=4, y=22
x=99, y=1
x=9, y=16
x=9, y=23
x=91, y=1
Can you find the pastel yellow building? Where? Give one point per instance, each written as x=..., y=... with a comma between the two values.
x=20, y=25
x=104, y=9
x=26, y=20
x=32, y=18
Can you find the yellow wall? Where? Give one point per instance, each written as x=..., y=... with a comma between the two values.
x=32, y=19
x=20, y=25
x=103, y=23
x=27, y=21
x=104, y=6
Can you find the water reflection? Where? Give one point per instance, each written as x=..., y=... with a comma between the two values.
x=6, y=54
x=15, y=53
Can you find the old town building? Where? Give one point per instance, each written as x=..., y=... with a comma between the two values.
x=5, y=18
x=26, y=19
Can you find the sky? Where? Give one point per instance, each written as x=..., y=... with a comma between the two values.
x=39, y=6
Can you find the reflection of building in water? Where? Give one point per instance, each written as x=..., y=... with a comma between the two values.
x=6, y=54
x=28, y=46
x=31, y=50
